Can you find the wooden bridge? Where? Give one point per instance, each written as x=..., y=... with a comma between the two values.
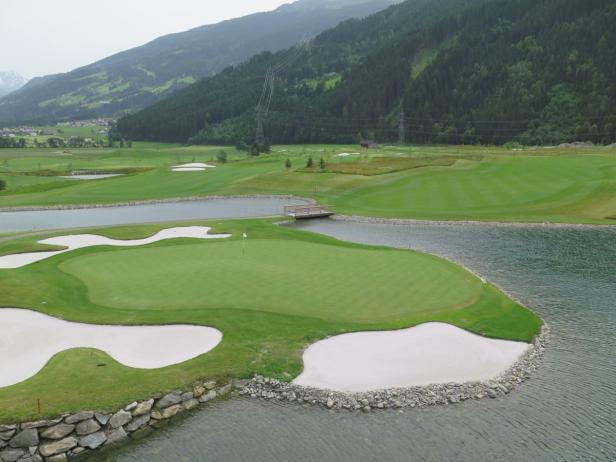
x=304, y=212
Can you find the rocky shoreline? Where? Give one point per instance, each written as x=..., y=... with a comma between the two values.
x=504, y=224
x=71, y=435
x=441, y=394
x=35, y=208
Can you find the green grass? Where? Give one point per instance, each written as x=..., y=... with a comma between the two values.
x=284, y=290
x=443, y=183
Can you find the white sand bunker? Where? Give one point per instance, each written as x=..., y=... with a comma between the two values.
x=347, y=154
x=28, y=340
x=80, y=241
x=427, y=354
x=192, y=167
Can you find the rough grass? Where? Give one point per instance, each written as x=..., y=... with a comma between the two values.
x=283, y=291
x=382, y=165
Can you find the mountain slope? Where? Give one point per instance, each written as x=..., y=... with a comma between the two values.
x=464, y=71
x=135, y=78
x=10, y=81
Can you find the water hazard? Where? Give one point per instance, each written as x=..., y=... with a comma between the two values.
x=11, y=222
x=567, y=412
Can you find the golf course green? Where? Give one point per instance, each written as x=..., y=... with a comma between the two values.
x=271, y=295
x=561, y=185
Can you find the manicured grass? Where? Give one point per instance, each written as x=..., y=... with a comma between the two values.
x=442, y=183
x=271, y=296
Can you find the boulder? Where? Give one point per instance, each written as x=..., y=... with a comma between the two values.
x=40, y=424
x=143, y=408
x=6, y=428
x=58, y=447
x=57, y=432
x=131, y=406
x=187, y=396
x=120, y=418
x=198, y=391
x=34, y=458
x=190, y=404
x=7, y=435
x=116, y=435
x=11, y=455
x=102, y=417
x=25, y=439
x=87, y=427
x=209, y=385
x=168, y=400
x=57, y=458
x=137, y=423
x=171, y=411
x=209, y=396
x=93, y=441
x=79, y=417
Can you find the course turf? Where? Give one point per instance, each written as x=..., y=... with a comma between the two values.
x=442, y=183
x=271, y=295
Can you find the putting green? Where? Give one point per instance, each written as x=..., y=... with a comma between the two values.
x=278, y=275
x=271, y=296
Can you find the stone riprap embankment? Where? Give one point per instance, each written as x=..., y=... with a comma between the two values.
x=438, y=394
x=70, y=435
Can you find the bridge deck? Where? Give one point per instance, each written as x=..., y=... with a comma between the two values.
x=303, y=212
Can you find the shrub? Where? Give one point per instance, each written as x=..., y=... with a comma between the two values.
x=222, y=157
x=2, y=185
x=310, y=162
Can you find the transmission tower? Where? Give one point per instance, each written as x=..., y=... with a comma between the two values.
x=260, y=137
x=401, y=129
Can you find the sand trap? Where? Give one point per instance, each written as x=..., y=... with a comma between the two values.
x=423, y=355
x=80, y=241
x=28, y=340
x=347, y=154
x=192, y=167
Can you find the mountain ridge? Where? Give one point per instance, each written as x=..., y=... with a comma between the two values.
x=138, y=77
x=465, y=71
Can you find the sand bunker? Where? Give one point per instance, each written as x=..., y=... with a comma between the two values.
x=80, y=241
x=192, y=167
x=427, y=354
x=28, y=340
x=347, y=154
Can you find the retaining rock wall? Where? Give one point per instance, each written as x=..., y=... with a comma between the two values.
x=70, y=435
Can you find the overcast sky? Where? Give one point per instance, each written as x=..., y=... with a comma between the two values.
x=40, y=37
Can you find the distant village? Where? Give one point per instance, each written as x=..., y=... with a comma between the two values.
x=57, y=136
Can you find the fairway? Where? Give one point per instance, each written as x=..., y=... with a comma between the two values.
x=438, y=183
x=271, y=296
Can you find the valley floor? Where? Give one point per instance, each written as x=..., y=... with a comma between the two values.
x=561, y=185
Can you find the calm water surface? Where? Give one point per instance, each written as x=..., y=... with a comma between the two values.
x=172, y=211
x=567, y=412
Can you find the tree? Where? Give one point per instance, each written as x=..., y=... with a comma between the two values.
x=129, y=144
x=322, y=163
x=222, y=157
x=310, y=162
x=2, y=185
x=255, y=149
x=288, y=164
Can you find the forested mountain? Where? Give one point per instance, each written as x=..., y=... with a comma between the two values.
x=135, y=78
x=463, y=71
